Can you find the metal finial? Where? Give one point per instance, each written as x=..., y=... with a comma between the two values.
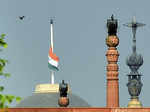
x=134, y=61
x=134, y=25
x=112, y=25
x=51, y=21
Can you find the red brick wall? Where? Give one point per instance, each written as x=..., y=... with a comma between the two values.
x=57, y=110
x=76, y=110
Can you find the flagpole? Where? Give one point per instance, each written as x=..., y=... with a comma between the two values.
x=52, y=45
x=52, y=77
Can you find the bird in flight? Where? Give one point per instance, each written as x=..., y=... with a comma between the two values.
x=21, y=17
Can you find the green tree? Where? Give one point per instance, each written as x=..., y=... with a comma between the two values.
x=5, y=100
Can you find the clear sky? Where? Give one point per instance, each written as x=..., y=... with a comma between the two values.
x=79, y=36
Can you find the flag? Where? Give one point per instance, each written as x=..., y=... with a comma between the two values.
x=52, y=60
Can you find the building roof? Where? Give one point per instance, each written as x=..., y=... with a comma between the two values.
x=51, y=100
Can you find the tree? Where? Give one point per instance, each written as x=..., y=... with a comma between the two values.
x=5, y=100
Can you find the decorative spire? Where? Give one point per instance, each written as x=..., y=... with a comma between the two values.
x=134, y=25
x=134, y=61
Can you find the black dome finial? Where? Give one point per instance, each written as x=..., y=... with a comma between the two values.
x=112, y=25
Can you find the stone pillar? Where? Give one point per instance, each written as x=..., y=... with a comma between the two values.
x=112, y=68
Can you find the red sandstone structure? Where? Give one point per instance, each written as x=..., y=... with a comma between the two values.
x=112, y=72
x=112, y=68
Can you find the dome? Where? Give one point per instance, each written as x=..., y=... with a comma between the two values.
x=47, y=95
x=51, y=100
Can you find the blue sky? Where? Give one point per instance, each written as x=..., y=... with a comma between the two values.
x=79, y=36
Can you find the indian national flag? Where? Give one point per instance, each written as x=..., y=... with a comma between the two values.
x=53, y=60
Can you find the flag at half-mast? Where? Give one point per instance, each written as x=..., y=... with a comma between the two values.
x=53, y=60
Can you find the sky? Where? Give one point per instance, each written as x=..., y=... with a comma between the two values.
x=79, y=41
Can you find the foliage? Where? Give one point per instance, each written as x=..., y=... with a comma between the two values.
x=5, y=100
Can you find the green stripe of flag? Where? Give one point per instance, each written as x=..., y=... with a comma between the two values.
x=51, y=67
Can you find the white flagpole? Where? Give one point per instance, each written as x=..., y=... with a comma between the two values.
x=52, y=45
x=52, y=35
x=52, y=78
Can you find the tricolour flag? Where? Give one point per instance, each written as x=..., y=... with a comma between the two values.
x=53, y=60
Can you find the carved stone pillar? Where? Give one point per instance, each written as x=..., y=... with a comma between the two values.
x=112, y=68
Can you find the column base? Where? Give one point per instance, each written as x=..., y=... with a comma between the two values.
x=134, y=103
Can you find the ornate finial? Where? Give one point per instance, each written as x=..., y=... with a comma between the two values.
x=51, y=21
x=134, y=61
x=63, y=88
x=134, y=25
x=63, y=100
x=112, y=25
x=112, y=40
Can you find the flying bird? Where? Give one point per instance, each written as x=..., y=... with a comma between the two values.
x=21, y=17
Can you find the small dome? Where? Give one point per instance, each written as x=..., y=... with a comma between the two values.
x=51, y=100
